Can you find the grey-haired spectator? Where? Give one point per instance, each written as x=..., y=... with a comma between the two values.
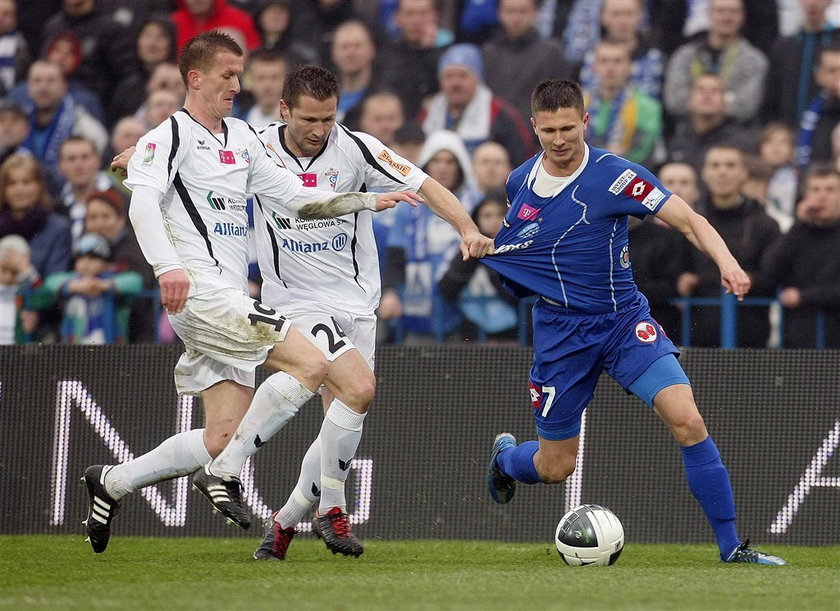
x=466, y=106
x=18, y=315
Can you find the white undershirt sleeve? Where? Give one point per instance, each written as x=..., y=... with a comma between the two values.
x=147, y=220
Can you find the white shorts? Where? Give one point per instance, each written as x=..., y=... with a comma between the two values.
x=227, y=335
x=333, y=331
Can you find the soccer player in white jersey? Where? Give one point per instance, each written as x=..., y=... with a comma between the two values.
x=189, y=178
x=336, y=311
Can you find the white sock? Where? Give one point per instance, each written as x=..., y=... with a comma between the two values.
x=179, y=455
x=275, y=402
x=341, y=432
x=307, y=489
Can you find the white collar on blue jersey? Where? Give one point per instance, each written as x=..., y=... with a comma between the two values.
x=532, y=175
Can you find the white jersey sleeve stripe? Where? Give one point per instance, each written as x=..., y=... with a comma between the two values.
x=176, y=142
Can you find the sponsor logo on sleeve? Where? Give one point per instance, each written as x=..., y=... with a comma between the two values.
x=527, y=212
x=622, y=181
x=653, y=198
x=149, y=153
x=402, y=168
x=227, y=157
x=638, y=189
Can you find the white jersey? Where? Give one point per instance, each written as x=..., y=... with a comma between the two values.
x=205, y=178
x=329, y=261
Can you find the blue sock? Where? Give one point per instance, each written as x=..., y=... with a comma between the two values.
x=518, y=462
x=709, y=482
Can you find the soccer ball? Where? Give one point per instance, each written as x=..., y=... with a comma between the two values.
x=589, y=535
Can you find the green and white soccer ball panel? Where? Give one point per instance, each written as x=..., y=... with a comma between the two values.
x=589, y=535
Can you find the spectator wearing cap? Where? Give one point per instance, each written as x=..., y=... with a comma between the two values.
x=107, y=216
x=95, y=298
x=466, y=106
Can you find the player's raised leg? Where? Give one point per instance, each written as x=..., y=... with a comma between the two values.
x=302, y=368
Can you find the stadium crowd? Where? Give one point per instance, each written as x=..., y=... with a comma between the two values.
x=734, y=104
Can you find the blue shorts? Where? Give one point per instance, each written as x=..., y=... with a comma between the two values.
x=571, y=350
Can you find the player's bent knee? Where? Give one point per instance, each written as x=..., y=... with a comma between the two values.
x=554, y=472
x=359, y=394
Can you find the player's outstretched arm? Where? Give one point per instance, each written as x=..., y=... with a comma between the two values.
x=444, y=204
x=679, y=215
x=318, y=204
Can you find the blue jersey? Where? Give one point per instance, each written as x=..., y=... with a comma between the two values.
x=572, y=247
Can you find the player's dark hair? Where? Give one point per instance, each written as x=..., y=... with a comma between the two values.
x=313, y=81
x=200, y=51
x=554, y=94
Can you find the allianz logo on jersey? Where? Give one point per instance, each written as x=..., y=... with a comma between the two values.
x=337, y=243
x=220, y=202
x=230, y=229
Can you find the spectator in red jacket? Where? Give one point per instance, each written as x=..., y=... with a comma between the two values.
x=196, y=16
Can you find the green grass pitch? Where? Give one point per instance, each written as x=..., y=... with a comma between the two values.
x=61, y=572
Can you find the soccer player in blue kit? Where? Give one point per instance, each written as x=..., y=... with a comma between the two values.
x=565, y=239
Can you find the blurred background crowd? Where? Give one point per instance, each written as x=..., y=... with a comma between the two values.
x=734, y=104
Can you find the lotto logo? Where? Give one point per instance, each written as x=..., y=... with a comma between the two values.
x=638, y=189
x=646, y=332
